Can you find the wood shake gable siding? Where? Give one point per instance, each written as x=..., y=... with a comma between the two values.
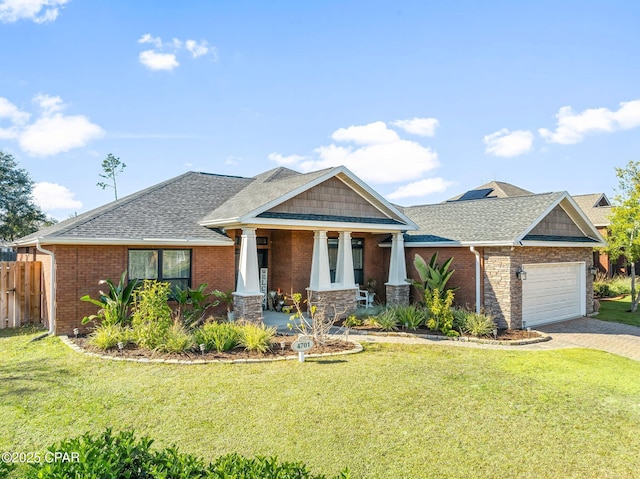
x=331, y=197
x=557, y=223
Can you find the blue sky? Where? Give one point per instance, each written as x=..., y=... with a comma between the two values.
x=422, y=100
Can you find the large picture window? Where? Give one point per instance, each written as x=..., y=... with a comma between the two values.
x=168, y=265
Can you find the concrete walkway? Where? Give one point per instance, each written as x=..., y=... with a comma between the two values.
x=616, y=338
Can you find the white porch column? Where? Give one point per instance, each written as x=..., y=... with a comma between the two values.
x=397, y=265
x=320, y=274
x=248, y=277
x=344, y=265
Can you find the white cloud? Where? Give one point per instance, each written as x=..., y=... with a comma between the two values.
x=421, y=188
x=147, y=38
x=383, y=156
x=15, y=117
x=40, y=11
x=158, y=61
x=197, y=49
x=52, y=196
x=572, y=127
x=49, y=104
x=164, y=55
x=418, y=126
x=507, y=143
x=373, y=133
x=52, y=132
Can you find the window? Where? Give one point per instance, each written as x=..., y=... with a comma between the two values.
x=357, y=250
x=168, y=265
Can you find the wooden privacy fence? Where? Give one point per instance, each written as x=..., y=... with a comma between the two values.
x=20, y=293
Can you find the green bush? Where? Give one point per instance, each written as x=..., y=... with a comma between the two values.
x=459, y=318
x=255, y=337
x=411, y=317
x=352, y=321
x=122, y=455
x=151, y=318
x=218, y=336
x=440, y=313
x=176, y=340
x=620, y=285
x=478, y=325
x=386, y=320
x=107, y=336
x=601, y=289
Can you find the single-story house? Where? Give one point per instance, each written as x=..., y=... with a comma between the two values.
x=522, y=258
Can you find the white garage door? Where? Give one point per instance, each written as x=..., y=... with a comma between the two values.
x=553, y=292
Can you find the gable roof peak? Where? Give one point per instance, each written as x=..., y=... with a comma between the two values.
x=497, y=189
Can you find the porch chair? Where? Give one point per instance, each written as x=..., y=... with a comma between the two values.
x=362, y=298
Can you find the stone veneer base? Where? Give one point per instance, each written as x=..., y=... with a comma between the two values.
x=248, y=308
x=343, y=300
x=398, y=294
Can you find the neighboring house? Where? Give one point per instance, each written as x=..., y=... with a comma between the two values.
x=324, y=232
x=598, y=209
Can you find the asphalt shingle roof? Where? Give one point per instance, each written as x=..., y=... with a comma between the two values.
x=484, y=220
x=500, y=190
x=598, y=215
x=262, y=189
x=169, y=210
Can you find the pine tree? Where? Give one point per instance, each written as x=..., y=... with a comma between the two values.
x=19, y=215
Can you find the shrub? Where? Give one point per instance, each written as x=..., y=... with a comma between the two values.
x=255, y=337
x=601, y=289
x=411, y=317
x=478, y=325
x=107, y=336
x=218, y=336
x=459, y=318
x=387, y=320
x=114, y=305
x=620, y=285
x=151, y=317
x=352, y=321
x=193, y=305
x=440, y=313
x=176, y=340
x=114, y=456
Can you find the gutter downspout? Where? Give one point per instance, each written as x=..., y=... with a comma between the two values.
x=52, y=303
x=478, y=302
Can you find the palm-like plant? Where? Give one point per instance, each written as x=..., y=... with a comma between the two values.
x=432, y=275
x=114, y=305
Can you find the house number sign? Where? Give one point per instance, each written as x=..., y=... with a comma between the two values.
x=302, y=344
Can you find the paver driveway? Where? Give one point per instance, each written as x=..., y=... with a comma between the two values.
x=616, y=338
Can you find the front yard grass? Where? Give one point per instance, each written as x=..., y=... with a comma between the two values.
x=618, y=310
x=395, y=411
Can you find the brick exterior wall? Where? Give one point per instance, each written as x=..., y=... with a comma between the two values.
x=464, y=278
x=503, y=291
x=335, y=301
x=79, y=268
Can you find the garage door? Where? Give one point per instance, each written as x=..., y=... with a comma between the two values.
x=553, y=292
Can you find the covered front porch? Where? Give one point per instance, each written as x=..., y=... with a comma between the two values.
x=328, y=266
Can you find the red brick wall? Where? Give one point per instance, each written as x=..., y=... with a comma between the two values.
x=80, y=268
x=464, y=278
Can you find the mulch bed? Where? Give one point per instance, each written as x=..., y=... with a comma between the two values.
x=503, y=334
x=132, y=351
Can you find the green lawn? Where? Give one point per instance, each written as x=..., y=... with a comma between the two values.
x=618, y=310
x=393, y=411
